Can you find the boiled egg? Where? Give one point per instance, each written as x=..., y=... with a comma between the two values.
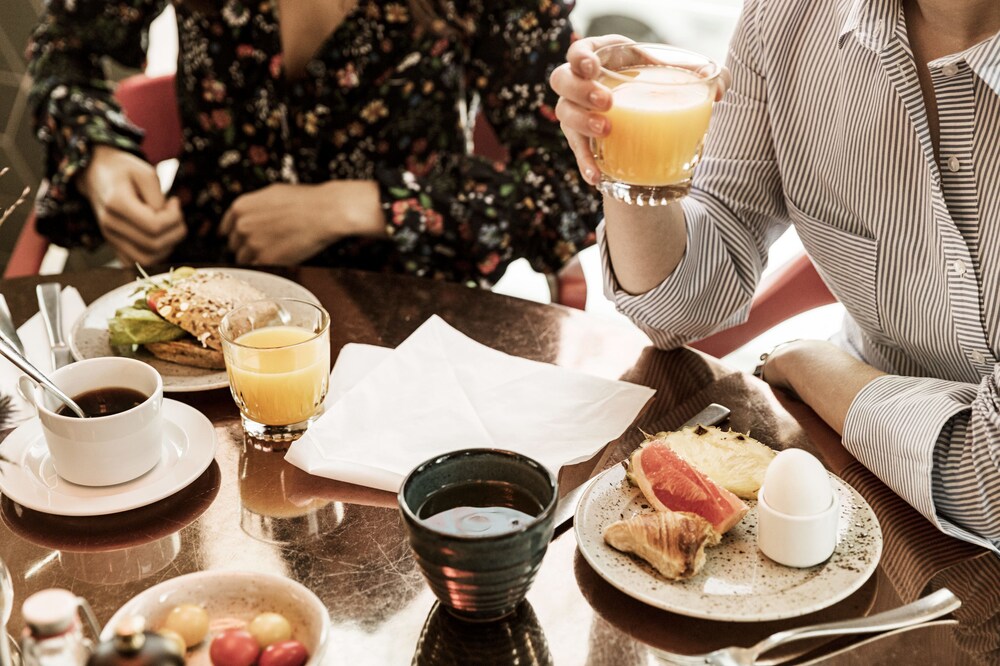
x=797, y=484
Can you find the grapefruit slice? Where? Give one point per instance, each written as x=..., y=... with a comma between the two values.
x=669, y=483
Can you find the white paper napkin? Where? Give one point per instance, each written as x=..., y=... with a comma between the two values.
x=440, y=391
x=36, y=348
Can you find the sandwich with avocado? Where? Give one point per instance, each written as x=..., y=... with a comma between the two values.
x=177, y=318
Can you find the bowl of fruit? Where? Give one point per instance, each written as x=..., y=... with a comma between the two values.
x=232, y=618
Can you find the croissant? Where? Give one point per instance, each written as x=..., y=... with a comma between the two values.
x=672, y=541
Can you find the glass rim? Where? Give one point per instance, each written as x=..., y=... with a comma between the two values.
x=324, y=314
x=715, y=72
x=410, y=513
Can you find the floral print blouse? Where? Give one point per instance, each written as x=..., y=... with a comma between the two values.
x=383, y=99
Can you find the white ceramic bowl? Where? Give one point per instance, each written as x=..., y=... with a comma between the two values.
x=229, y=596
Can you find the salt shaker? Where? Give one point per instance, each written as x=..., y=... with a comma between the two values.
x=54, y=633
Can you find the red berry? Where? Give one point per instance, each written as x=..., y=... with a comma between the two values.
x=285, y=653
x=234, y=647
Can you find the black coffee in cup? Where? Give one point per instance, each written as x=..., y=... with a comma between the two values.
x=105, y=402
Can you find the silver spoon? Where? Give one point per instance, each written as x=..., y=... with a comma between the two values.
x=10, y=352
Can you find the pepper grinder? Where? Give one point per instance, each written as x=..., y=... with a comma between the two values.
x=132, y=645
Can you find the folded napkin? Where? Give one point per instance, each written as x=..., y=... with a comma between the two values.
x=439, y=391
x=36, y=348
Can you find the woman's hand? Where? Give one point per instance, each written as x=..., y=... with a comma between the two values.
x=135, y=218
x=582, y=99
x=821, y=374
x=286, y=224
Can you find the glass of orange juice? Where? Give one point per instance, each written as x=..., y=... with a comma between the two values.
x=277, y=355
x=661, y=101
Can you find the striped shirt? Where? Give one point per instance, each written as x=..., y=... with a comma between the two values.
x=825, y=128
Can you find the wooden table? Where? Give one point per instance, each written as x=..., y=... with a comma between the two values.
x=250, y=510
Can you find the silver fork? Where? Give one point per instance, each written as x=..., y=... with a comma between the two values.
x=932, y=606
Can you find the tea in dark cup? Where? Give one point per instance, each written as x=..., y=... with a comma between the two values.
x=479, y=508
x=480, y=521
x=105, y=402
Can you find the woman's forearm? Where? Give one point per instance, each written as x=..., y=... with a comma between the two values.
x=645, y=244
x=824, y=376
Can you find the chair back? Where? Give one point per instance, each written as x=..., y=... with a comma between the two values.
x=150, y=102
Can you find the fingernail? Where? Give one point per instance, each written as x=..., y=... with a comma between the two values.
x=597, y=125
x=588, y=67
x=589, y=175
x=596, y=99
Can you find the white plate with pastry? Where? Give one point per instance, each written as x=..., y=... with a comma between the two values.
x=737, y=582
x=90, y=337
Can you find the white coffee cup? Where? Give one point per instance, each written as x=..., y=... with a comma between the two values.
x=103, y=450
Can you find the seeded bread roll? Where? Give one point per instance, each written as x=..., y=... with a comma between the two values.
x=188, y=352
x=198, y=303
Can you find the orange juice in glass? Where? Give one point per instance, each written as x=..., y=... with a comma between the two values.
x=277, y=355
x=661, y=102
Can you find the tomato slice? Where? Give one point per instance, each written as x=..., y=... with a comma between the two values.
x=153, y=296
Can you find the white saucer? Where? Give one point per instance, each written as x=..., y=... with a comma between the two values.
x=188, y=450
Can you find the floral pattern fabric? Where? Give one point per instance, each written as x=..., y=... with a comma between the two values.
x=383, y=99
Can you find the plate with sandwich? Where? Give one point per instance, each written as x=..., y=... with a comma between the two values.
x=171, y=321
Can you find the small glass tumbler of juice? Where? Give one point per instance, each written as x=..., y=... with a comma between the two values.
x=277, y=355
x=661, y=101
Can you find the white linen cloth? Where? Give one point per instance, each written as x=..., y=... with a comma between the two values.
x=36, y=349
x=440, y=391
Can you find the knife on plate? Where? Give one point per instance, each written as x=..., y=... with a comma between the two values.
x=566, y=507
x=7, y=329
x=50, y=307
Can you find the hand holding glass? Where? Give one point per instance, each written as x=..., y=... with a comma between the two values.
x=278, y=359
x=661, y=103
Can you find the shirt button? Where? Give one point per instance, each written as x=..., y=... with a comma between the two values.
x=976, y=357
x=954, y=164
x=959, y=267
x=950, y=69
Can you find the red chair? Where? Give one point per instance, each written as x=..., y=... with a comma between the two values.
x=792, y=289
x=149, y=103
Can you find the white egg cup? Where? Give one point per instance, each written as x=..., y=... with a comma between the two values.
x=797, y=541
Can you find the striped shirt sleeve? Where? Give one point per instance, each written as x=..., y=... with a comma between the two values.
x=729, y=225
x=937, y=445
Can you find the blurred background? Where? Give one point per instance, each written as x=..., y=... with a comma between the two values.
x=704, y=26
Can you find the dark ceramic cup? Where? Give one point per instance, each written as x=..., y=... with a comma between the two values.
x=480, y=577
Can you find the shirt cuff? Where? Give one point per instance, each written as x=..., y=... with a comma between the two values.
x=893, y=426
x=702, y=295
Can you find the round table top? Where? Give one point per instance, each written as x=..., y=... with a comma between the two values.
x=253, y=511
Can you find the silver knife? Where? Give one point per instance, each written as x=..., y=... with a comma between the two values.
x=7, y=329
x=50, y=307
x=566, y=507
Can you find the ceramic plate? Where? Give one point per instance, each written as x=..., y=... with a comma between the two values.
x=738, y=583
x=89, y=337
x=188, y=450
x=231, y=599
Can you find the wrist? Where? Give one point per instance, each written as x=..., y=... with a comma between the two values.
x=774, y=364
x=354, y=208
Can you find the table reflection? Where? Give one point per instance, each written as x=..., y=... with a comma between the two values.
x=278, y=501
x=121, y=531
x=515, y=639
